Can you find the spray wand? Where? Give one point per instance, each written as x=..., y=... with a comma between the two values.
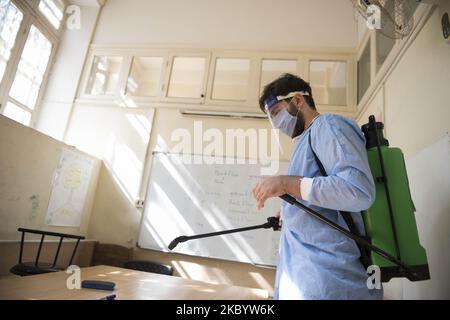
x=273, y=222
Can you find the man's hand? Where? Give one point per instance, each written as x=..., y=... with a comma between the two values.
x=269, y=188
x=276, y=186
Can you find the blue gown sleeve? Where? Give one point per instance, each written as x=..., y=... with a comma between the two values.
x=340, y=146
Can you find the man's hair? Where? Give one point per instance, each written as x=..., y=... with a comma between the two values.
x=284, y=85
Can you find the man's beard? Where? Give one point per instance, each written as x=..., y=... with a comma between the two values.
x=300, y=125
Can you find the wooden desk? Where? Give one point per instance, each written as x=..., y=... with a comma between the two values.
x=130, y=285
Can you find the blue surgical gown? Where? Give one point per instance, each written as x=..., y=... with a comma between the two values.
x=316, y=261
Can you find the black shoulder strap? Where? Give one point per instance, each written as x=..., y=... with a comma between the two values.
x=345, y=215
x=323, y=172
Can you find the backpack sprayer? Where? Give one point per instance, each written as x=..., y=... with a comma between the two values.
x=391, y=241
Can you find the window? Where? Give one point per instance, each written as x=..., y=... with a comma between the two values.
x=17, y=113
x=26, y=47
x=32, y=66
x=364, y=72
x=231, y=79
x=53, y=10
x=412, y=7
x=272, y=69
x=144, y=76
x=328, y=80
x=217, y=80
x=10, y=20
x=104, y=76
x=187, y=77
x=384, y=46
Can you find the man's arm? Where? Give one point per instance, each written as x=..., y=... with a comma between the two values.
x=349, y=186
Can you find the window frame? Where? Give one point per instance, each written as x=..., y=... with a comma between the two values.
x=350, y=106
x=420, y=14
x=252, y=80
x=168, y=71
x=119, y=92
x=47, y=22
x=33, y=6
x=282, y=57
x=376, y=35
x=120, y=95
x=206, y=103
x=30, y=18
x=159, y=94
x=368, y=39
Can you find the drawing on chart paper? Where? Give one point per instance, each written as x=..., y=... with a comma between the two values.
x=70, y=187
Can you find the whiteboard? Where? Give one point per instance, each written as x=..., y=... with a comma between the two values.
x=185, y=198
x=429, y=177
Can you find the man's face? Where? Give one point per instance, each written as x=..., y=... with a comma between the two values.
x=273, y=111
x=292, y=109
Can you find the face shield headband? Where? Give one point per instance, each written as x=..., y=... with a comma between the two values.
x=271, y=101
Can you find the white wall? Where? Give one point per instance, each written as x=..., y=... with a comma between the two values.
x=362, y=26
x=262, y=24
x=429, y=176
x=417, y=92
x=118, y=136
x=27, y=165
x=63, y=81
x=415, y=98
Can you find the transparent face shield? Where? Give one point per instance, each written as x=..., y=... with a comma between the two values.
x=269, y=103
x=278, y=114
x=274, y=112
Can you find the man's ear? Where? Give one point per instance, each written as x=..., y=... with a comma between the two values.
x=300, y=101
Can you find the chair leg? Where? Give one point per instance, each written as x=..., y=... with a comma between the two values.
x=74, y=250
x=39, y=250
x=21, y=247
x=57, y=251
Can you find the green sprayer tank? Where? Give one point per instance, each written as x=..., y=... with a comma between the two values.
x=390, y=222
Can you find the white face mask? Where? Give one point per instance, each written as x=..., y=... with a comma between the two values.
x=285, y=122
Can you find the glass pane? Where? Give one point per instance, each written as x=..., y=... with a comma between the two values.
x=328, y=80
x=32, y=66
x=144, y=76
x=272, y=69
x=186, y=79
x=364, y=72
x=384, y=47
x=53, y=10
x=104, y=77
x=10, y=19
x=231, y=79
x=385, y=44
x=412, y=6
x=16, y=113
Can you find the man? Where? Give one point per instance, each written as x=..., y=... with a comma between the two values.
x=316, y=261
